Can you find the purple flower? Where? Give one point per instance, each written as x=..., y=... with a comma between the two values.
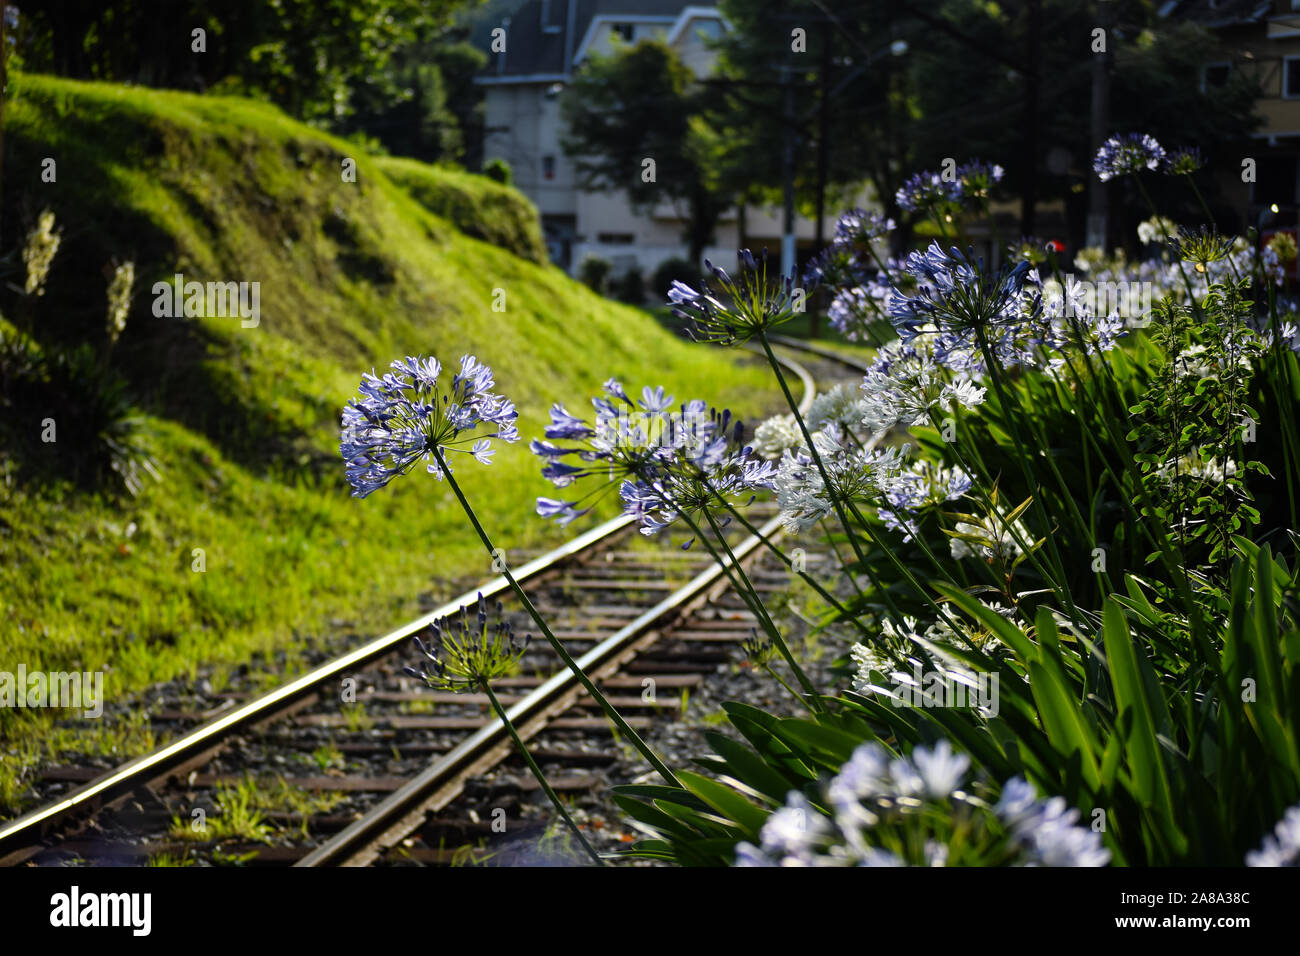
x=1130, y=153
x=925, y=191
x=665, y=464
x=737, y=309
x=403, y=418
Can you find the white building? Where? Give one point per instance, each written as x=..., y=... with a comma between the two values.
x=545, y=41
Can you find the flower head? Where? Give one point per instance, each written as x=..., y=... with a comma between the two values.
x=734, y=310
x=1183, y=161
x=927, y=191
x=914, y=490
x=407, y=416
x=775, y=436
x=916, y=810
x=963, y=304
x=976, y=179
x=469, y=653
x=1282, y=846
x=38, y=253
x=1130, y=153
x=665, y=464
x=119, y=299
x=1201, y=246
x=854, y=474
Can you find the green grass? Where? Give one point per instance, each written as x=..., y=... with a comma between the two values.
x=476, y=205
x=244, y=421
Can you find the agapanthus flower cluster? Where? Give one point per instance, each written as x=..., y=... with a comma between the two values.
x=1030, y=248
x=925, y=191
x=857, y=228
x=1156, y=229
x=895, y=647
x=966, y=307
x=976, y=179
x=1130, y=153
x=1071, y=320
x=664, y=463
x=969, y=183
x=848, y=258
x=464, y=655
x=838, y=406
x=917, y=489
x=405, y=417
x=1282, y=846
x=921, y=810
x=698, y=477
x=1183, y=161
x=777, y=435
x=119, y=300
x=855, y=474
x=905, y=382
x=989, y=536
x=738, y=308
x=1194, y=468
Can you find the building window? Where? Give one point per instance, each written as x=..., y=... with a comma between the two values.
x=1291, y=77
x=615, y=238
x=548, y=167
x=1215, y=75
x=625, y=30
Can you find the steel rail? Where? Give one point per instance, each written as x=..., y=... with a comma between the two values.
x=160, y=762
x=21, y=837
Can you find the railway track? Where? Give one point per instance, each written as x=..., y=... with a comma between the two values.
x=356, y=763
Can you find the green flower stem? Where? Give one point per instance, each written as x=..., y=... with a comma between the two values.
x=537, y=772
x=812, y=449
x=532, y=611
x=995, y=373
x=807, y=578
x=790, y=690
x=975, y=467
x=775, y=632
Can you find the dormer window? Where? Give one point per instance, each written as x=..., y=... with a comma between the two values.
x=625, y=30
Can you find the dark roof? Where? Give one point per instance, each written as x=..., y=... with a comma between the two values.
x=1218, y=13
x=530, y=49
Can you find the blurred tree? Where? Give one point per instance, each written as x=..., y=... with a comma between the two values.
x=320, y=60
x=634, y=125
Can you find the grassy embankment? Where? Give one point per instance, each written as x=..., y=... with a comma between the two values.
x=243, y=422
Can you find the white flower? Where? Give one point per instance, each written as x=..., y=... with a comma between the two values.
x=866, y=660
x=1210, y=471
x=854, y=473
x=840, y=406
x=995, y=539
x=965, y=392
x=795, y=830
x=1282, y=847
x=941, y=770
x=1045, y=829
x=1154, y=229
x=775, y=436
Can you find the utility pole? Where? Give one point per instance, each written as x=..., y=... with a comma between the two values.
x=1029, y=187
x=823, y=160
x=1095, y=233
x=787, y=177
